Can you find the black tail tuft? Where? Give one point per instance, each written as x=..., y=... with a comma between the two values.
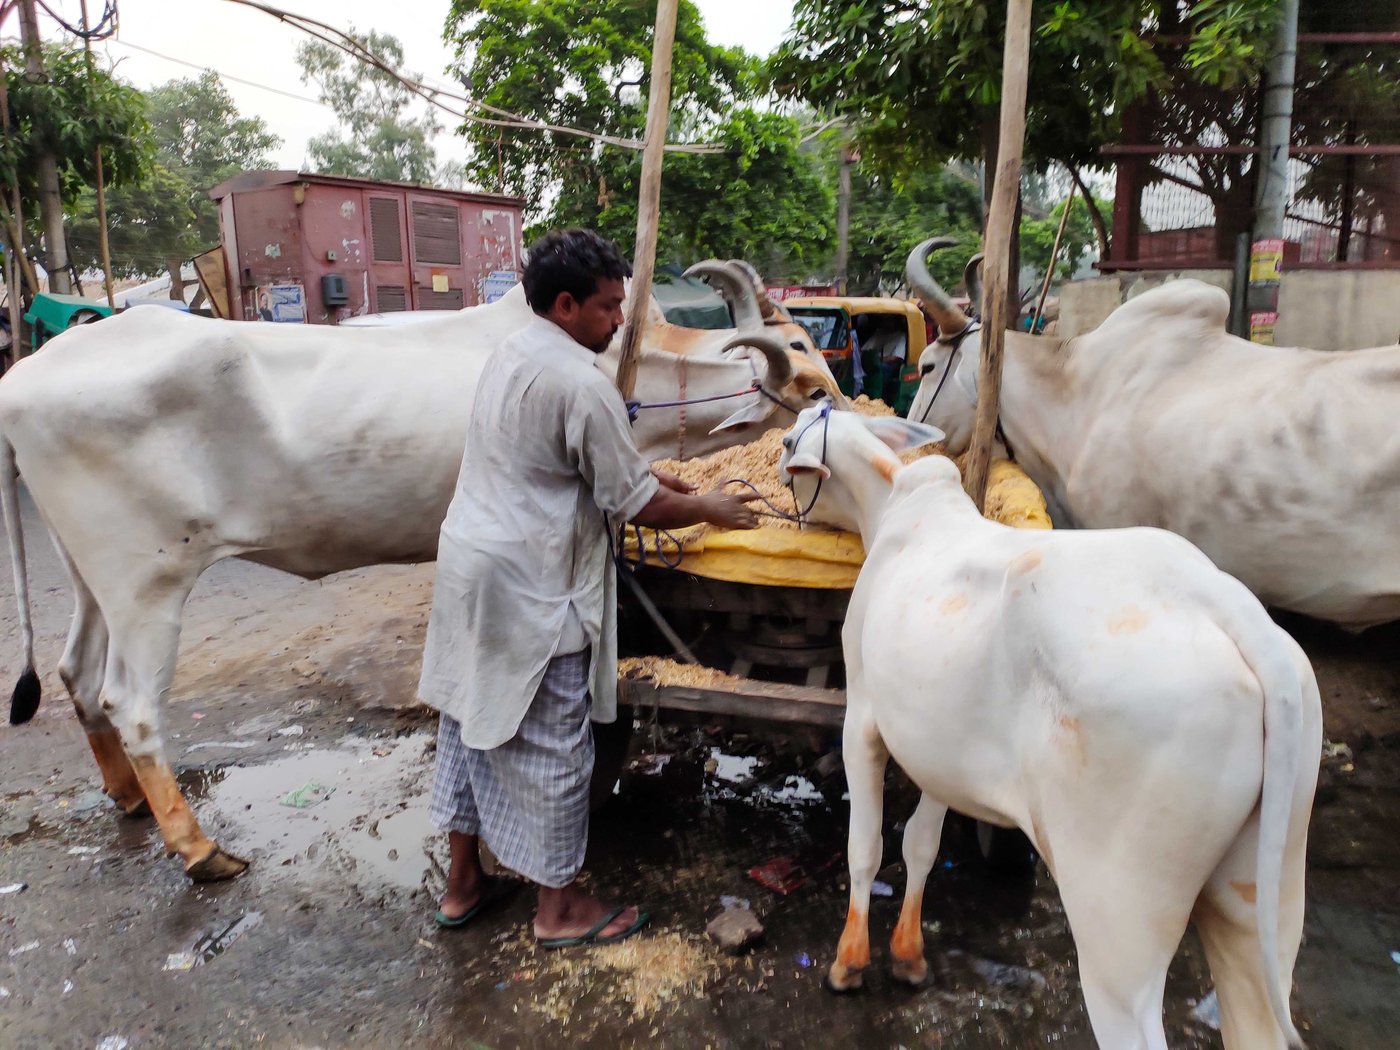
x=25, y=700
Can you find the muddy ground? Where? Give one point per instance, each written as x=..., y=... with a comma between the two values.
x=328, y=940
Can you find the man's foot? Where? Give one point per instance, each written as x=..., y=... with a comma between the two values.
x=460, y=899
x=488, y=893
x=569, y=913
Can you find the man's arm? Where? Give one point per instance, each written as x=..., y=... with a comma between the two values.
x=669, y=509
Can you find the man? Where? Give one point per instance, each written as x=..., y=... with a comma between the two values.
x=522, y=638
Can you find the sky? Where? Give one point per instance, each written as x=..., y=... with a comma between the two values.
x=240, y=42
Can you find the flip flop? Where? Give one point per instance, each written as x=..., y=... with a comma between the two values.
x=494, y=892
x=592, y=938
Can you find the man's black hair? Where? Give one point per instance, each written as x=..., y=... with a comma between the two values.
x=570, y=261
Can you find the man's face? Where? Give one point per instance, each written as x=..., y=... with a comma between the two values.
x=594, y=321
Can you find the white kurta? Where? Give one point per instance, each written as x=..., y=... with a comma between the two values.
x=523, y=557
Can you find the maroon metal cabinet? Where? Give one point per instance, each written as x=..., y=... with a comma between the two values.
x=316, y=249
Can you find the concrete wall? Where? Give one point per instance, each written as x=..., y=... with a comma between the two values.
x=1322, y=309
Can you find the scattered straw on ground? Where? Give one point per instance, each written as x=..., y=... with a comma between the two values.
x=650, y=972
x=871, y=406
x=665, y=671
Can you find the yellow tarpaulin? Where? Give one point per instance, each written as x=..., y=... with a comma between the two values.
x=813, y=558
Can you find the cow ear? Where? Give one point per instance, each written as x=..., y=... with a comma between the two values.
x=806, y=463
x=900, y=434
x=755, y=412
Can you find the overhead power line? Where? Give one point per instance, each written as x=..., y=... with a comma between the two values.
x=226, y=76
x=473, y=108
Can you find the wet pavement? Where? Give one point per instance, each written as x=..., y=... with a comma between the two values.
x=293, y=728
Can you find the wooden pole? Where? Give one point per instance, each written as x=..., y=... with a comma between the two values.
x=102, y=242
x=1054, y=258
x=50, y=191
x=649, y=205
x=1015, y=66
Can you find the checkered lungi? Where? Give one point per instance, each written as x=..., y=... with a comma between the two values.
x=527, y=798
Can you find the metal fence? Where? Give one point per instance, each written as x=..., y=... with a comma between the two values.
x=1186, y=166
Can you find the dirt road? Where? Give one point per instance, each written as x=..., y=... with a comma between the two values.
x=328, y=940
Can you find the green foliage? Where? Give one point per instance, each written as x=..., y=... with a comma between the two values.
x=1038, y=238
x=70, y=113
x=382, y=139
x=924, y=76
x=200, y=139
x=585, y=64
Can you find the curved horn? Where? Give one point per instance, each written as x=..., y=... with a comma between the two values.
x=972, y=280
x=736, y=289
x=950, y=319
x=774, y=348
x=772, y=312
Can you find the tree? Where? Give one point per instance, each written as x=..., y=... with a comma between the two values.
x=200, y=140
x=565, y=63
x=924, y=77
x=383, y=140
x=68, y=113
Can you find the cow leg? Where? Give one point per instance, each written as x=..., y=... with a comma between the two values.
x=865, y=757
x=140, y=667
x=82, y=668
x=1126, y=925
x=921, y=837
x=1226, y=920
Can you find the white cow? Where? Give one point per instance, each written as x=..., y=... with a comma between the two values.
x=155, y=444
x=1282, y=464
x=1111, y=693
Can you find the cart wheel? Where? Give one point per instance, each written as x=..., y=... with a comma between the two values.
x=1005, y=851
x=611, y=742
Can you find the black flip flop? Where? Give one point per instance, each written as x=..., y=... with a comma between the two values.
x=495, y=891
x=592, y=938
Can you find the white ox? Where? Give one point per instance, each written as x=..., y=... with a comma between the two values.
x=155, y=444
x=1280, y=463
x=1127, y=705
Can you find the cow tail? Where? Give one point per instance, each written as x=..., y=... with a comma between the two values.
x=1278, y=676
x=25, y=700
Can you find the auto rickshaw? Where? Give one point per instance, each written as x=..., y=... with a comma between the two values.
x=891, y=334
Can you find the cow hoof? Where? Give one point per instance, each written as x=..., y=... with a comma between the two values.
x=913, y=972
x=216, y=867
x=140, y=809
x=842, y=981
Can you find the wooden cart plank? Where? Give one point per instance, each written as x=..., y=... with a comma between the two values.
x=760, y=701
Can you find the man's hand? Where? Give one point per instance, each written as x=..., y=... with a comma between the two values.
x=730, y=510
x=672, y=482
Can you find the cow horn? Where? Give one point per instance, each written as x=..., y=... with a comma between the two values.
x=972, y=280
x=774, y=347
x=736, y=289
x=773, y=313
x=950, y=319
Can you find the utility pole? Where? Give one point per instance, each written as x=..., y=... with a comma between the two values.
x=1275, y=134
x=649, y=205
x=50, y=194
x=101, y=193
x=843, y=220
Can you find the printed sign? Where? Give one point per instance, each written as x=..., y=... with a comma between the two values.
x=1265, y=261
x=1261, y=327
x=496, y=283
x=439, y=281
x=282, y=302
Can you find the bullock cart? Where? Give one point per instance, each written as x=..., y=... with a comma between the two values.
x=760, y=613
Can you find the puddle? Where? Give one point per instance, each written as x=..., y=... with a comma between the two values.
x=370, y=821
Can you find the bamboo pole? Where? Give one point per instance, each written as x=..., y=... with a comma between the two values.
x=1054, y=259
x=102, y=242
x=1015, y=65
x=649, y=206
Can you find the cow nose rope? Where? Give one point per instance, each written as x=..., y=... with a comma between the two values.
x=956, y=342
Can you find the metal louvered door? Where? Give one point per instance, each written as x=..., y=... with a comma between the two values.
x=390, y=277
x=435, y=240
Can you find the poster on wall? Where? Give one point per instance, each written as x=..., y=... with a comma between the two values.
x=282, y=302
x=496, y=283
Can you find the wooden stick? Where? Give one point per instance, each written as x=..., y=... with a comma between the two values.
x=1015, y=65
x=102, y=242
x=1054, y=258
x=649, y=205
